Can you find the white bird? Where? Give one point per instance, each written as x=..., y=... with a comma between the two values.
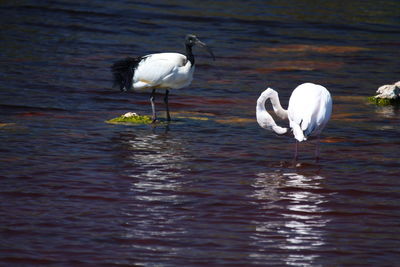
x=161, y=70
x=309, y=110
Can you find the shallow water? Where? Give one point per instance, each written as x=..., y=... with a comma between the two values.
x=211, y=188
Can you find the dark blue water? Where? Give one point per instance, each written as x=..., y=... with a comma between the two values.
x=212, y=188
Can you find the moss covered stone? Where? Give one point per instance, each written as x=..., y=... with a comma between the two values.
x=388, y=94
x=131, y=118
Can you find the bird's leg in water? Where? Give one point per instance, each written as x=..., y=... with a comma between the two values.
x=153, y=108
x=296, y=148
x=317, y=149
x=166, y=104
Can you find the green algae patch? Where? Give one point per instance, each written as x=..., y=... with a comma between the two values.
x=131, y=118
x=384, y=101
x=181, y=117
x=193, y=116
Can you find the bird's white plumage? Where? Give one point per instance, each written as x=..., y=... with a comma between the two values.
x=163, y=70
x=310, y=107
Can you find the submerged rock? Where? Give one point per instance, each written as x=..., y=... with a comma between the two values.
x=388, y=94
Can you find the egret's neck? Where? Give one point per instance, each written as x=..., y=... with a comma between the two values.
x=189, y=54
x=276, y=104
x=263, y=118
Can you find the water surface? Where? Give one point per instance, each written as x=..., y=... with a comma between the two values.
x=212, y=188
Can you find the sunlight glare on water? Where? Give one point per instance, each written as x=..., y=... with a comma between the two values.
x=300, y=226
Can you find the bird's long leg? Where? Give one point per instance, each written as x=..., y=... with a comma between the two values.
x=166, y=104
x=296, y=149
x=153, y=108
x=317, y=149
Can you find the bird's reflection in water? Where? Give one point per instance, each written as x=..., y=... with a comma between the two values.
x=389, y=111
x=294, y=217
x=155, y=164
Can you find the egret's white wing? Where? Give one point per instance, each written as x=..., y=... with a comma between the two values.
x=308, y=110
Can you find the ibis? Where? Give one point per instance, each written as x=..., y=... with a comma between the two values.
x=158, y=71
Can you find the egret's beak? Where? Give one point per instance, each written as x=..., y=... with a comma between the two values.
x=208, y=49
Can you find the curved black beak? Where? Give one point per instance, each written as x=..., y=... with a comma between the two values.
x=207, y=48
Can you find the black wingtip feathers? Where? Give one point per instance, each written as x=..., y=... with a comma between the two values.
x=123, y=71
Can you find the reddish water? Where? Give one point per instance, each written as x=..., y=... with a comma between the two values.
x=212, y=188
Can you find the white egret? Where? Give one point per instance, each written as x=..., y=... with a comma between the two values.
x=161, y=70
x=309, y=110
